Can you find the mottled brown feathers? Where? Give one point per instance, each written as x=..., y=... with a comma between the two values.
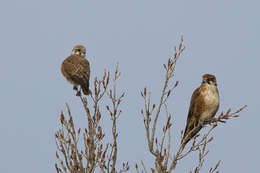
x=76, y=69
x=208, y=76
x=82, y=48
x=203, y=107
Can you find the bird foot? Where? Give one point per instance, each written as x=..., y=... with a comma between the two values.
x=75, y=88
x=78, y=93
x=213, y=120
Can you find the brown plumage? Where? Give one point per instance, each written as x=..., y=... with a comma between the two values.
x=204, y=105
x=76, y=69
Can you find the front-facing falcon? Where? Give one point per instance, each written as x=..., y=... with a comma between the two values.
x=204, y=105
x=76, y=69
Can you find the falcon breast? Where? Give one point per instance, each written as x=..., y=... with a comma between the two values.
x=76, y=69
x=204, y=105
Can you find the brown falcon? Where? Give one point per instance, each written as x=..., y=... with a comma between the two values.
x=204, y=105
x=76, y=69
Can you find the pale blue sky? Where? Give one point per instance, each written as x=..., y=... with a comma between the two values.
x=221, y=37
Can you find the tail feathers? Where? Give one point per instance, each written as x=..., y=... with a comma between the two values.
x=189, y=134
x=86, y=90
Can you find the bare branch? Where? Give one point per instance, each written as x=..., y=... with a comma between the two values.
x=93, y=154
x=195, y=145
x=160, y=153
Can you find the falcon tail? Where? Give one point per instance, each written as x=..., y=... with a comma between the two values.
x=189, y=134
x=86, y=90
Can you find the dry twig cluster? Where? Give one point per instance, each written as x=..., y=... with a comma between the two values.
x=165, y=160
x=95, y=153
x=98, y=155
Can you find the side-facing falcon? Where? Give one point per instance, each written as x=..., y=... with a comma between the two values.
x=204, y=105
x=76, y=69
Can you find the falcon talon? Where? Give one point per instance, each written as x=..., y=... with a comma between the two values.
x=213, y=120
x=75, y=88
x=78, y=93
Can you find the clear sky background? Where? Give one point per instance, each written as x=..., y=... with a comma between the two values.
x=221, y=37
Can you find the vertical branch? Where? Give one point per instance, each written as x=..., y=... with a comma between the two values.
x=100, y=88
x=114, y=114
x=169, y=73
x=93, y=155
x=168, y=128
x=202, y=154
x=67, y=144
x=161, y=155
x=160, y=150
x=114, y=129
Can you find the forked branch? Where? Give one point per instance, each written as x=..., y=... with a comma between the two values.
x=95, y=152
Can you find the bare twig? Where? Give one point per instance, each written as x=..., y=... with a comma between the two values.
x=151, y=112
x=93, y=155
x=195, y=145
x=160, y=153
x=114, y=114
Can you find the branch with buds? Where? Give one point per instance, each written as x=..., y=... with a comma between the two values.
x=164, y=160
x=197, y=144
x=95, y=152
x=86, y=151
x=161, y=153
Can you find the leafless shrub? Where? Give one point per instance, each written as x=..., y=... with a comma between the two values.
x=95, y=153
x=165, y=160
x=98, y=155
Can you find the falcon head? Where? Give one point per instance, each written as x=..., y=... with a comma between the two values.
x=209, y=79
x=79, y=50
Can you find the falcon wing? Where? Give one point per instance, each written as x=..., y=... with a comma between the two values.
x=196, y=107
x=76, y=69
